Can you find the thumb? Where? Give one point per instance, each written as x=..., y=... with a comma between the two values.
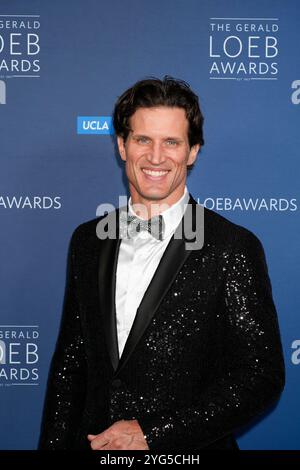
x=91, y=437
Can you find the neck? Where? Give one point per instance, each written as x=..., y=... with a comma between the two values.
x=147, y=208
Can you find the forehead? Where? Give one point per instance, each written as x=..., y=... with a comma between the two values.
x=161, y=120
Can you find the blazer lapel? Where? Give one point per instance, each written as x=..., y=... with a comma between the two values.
x=170, y=264
x=108, y=257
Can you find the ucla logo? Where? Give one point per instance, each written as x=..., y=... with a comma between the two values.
x=94, y=125
x=2, y=92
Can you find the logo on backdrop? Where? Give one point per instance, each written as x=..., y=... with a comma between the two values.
x=243, y=48
x=250, y=204
x=95, y=125
x=19, y=49
x=296, y=353
x=296, y=94
x=19, y=355
x=30, y=202
x=2, y=92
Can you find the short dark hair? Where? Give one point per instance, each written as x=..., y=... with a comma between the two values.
x=152, y=92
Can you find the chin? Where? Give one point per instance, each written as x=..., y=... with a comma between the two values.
x=155, y=196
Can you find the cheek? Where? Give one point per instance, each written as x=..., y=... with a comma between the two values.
x=133, y=155
x=131, y=165
x=181, y=160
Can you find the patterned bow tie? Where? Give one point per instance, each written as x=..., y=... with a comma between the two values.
x=132, y=225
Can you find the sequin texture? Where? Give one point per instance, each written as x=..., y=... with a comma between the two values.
x=209, y=361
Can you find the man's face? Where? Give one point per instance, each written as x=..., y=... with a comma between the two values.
x=157, y=153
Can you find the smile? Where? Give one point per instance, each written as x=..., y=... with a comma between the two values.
x=155, y=173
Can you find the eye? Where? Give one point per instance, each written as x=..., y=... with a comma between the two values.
x=171, y=142
x=142, y=140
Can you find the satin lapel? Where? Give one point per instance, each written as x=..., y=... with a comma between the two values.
x=108, y=256
x=172, y=260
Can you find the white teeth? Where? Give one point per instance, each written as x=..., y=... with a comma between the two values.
x=154, y=172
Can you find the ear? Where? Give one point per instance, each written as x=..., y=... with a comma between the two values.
x=193, y=154
x=121, y=147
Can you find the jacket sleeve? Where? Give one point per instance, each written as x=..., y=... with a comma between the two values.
x=253, y=371
x=66, y=386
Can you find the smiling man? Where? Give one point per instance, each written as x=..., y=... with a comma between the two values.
x=160, y=133
x=162, y=347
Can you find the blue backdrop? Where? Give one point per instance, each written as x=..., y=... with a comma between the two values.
x=62, y=60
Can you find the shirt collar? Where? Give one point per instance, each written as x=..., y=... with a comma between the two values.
x=172, y=216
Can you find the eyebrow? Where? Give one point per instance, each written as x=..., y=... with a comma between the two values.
x=136, y=136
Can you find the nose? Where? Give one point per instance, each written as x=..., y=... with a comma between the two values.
x=156, y=153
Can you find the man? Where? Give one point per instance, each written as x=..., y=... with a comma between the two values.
x=162, y=346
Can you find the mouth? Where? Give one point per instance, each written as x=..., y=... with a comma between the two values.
x=155, y=175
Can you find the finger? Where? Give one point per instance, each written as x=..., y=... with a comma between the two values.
x=106, y=446
x=91, y=436
x=97, y=444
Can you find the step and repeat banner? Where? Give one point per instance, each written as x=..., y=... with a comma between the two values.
x=63, y=64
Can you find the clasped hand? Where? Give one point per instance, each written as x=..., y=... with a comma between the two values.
x=122, y=435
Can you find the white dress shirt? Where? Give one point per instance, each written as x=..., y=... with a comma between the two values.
x=138, y=259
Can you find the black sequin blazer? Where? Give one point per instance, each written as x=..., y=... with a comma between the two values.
x=203, y=357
